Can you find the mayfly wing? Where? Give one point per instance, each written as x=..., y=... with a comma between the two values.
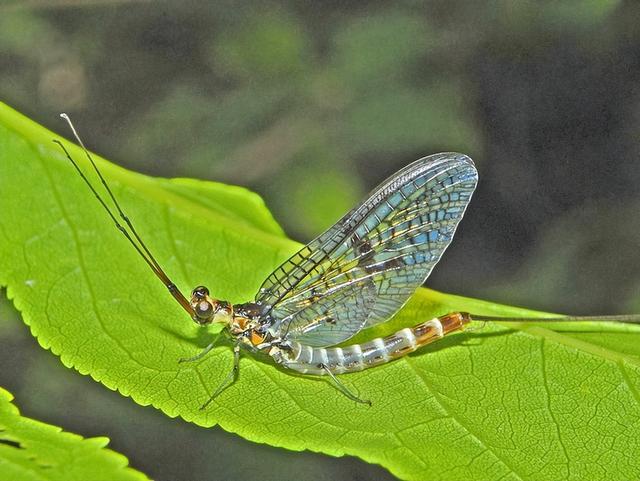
x=336, y=315
x=373, y=259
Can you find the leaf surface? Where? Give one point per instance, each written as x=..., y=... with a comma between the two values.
x=34, y=451
x=496, y=402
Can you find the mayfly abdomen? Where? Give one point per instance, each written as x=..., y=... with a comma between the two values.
x=338, y=360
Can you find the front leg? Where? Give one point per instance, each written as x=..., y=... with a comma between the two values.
x=202, y=353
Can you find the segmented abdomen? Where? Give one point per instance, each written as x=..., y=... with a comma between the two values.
x=338, y=360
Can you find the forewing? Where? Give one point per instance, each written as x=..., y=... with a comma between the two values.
x=389, y=244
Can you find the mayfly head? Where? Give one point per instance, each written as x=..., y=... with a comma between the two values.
x=208, y=310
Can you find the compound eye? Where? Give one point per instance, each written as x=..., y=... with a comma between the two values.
x=204, y=309
x=200, y=292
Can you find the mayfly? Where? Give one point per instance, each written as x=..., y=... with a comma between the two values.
x=353, y=276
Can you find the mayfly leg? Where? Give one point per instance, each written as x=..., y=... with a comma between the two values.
x=139, y=246
x=229, y=380
x=342, y=388
x=202, y=353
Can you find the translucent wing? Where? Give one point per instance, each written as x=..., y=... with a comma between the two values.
x=364, y=268
x=337, y=314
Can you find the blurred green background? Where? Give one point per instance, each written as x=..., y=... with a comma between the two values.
x=313, y=103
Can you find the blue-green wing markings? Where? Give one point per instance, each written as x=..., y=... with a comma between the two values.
x=364, y=268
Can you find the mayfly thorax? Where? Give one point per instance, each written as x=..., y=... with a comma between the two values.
x=355, y=275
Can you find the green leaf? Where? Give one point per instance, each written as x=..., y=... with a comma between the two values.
x=34, y=451
x=500, y=402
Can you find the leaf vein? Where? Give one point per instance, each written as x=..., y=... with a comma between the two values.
x=545, y=383
x=455, y=418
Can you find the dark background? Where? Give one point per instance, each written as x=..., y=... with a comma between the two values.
x=313, y=103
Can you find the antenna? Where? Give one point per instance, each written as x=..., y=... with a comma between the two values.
x=130, y=234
